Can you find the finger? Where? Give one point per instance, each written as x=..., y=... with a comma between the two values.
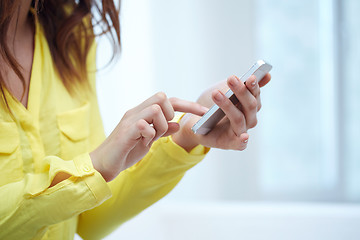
x=181, y=105
x=265, y=80
x=144, y=132
x=235, y=116
x=253, y=87
x=242, y=142
x=247, y=100
x=160, y=99
x=154, y=115
x=173, y=127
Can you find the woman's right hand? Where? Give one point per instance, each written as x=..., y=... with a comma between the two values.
x=138, y=129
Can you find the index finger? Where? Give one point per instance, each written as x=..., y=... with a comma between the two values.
x=160, y=99
x=181, y=105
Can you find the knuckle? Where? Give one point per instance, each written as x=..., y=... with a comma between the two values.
x=226, y=103
x=155, y=109
x=161, y=96
x=253, y=104
x=239, y=121
x=253, y=123
x=173, y=100
x=141, y=125
x=242, y=89
x=128, y=113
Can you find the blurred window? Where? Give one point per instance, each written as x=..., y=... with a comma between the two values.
x=311, y=126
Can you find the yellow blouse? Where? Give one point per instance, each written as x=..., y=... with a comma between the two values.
x=55, y=133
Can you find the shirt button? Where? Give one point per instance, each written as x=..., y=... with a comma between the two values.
x=86, y=168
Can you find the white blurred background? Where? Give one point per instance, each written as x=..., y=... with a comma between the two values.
x=300, y=175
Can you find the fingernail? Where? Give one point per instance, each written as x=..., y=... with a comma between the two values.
x=253, y=83
x=246, y=140
x=218, y=96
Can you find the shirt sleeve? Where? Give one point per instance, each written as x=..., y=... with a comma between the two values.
x=28, y=207
x=140, y=186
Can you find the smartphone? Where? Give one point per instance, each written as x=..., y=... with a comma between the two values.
x=215, y=114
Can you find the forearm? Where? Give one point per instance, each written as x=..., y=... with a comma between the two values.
x=139, y=187
x=32, y=205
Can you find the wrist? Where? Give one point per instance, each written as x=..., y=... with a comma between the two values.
x=185, y=137
x=61, y=176
x=98, y=166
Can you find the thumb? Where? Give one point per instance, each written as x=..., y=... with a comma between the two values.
x=173, y=127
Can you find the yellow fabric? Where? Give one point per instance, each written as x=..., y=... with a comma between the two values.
x=55, y=133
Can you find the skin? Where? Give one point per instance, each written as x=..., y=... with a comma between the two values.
x=230, y=132
x=20, y=39
x=141, y=126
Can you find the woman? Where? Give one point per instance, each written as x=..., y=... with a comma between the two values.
x=59, y=174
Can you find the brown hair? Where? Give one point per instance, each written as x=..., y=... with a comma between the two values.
x=69, y=29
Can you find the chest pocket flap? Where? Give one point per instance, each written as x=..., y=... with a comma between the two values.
x=74, y=124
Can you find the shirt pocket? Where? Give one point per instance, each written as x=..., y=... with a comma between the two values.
x=74, y=129
x=10, y=155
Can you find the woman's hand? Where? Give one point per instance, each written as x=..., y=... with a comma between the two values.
x=231, y=131
x=137, y=130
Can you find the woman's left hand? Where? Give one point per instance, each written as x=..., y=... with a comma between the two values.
x=231, y=131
